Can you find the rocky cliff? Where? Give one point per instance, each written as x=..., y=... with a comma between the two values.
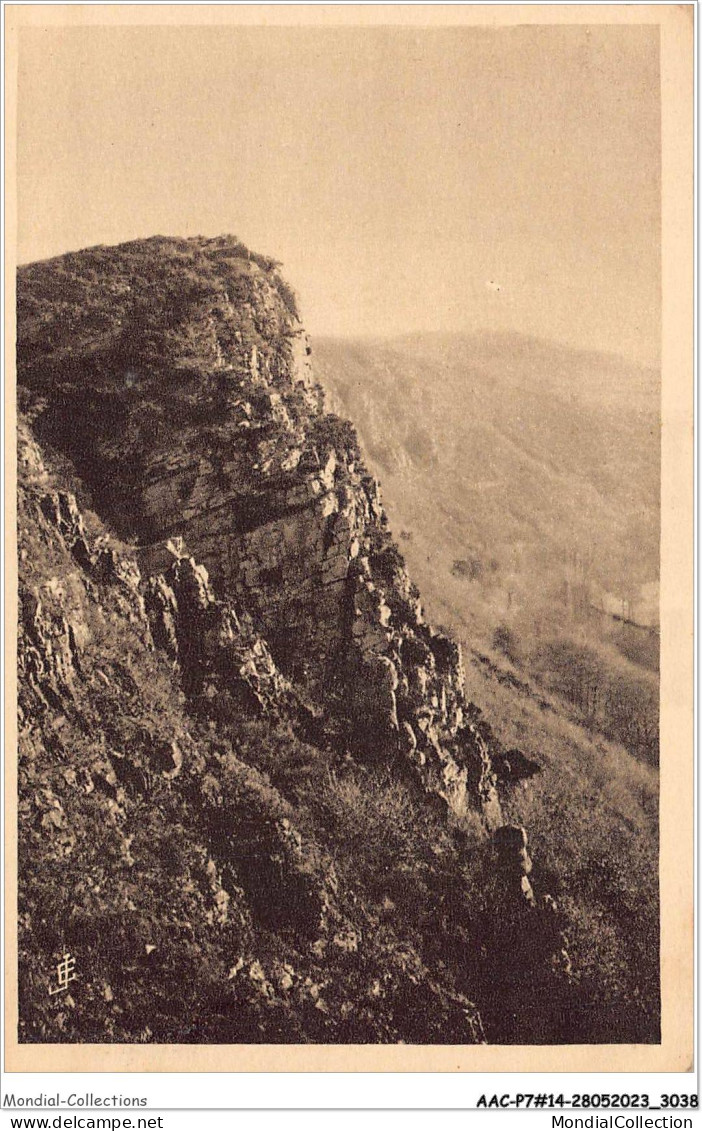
x=179, y=382
x=231, y=655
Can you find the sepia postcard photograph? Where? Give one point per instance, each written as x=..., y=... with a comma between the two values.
x=348, y=537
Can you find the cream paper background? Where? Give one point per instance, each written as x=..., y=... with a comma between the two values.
x=676, y=821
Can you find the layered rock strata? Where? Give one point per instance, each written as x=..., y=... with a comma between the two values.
x=178, y=380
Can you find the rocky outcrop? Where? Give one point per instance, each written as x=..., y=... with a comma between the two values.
x=189, y=371
x=214, y=649
x=239, y=736
x=197, y=902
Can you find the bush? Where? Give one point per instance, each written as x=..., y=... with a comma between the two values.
x=505, y=640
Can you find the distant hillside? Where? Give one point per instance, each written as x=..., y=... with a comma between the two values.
x=523, y=479
x=510, y=451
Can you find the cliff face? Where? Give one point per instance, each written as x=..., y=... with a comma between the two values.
x=177, y=377
x=252, y=793
x=173, y=871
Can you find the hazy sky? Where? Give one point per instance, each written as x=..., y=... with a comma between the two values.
x=407, y=178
